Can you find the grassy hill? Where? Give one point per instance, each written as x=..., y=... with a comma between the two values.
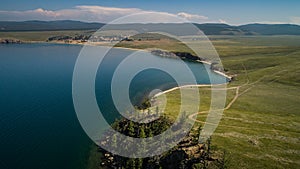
x=272, y=29
x=261, y=127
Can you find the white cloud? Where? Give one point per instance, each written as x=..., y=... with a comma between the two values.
x=95, y=14
x=80, y=13
x=223, y=21
x=87, y=13
x=192, y=17
x=37, y=14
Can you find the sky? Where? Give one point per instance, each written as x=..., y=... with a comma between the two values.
x=234, y=12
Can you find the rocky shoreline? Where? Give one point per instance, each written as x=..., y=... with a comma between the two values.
x=176, y=55
x=189, y=57
x=10, y=41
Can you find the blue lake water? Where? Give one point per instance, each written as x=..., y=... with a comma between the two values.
x=39, y=128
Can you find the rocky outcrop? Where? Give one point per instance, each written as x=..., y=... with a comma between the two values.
x=9, y=41
x=187, y=153
x=163, y=53
x=176, y=55
x=186, y=55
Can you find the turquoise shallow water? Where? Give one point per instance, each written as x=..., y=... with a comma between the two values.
x=39, y=128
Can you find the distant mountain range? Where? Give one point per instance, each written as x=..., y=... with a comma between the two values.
x=47, y=25
x=250, y=29
x=208, y=28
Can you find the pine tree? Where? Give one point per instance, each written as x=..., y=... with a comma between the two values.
x=114, y=141
x=139, y=163
x=150, y=134
x=142, y=146
x=208, y=146
x=131, y=129
x=130, y=164
x=149, y=112
x=142, y=132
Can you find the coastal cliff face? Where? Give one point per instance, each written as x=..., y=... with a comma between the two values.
x=182, y=55
x=189, y=56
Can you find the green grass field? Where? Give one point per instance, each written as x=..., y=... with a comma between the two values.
x=261, y=129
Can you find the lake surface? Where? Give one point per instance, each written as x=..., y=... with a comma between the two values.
x=39, y=127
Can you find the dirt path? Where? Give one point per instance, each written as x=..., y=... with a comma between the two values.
x=193, y=116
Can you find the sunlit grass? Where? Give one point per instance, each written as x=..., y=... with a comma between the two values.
x=262, y=127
